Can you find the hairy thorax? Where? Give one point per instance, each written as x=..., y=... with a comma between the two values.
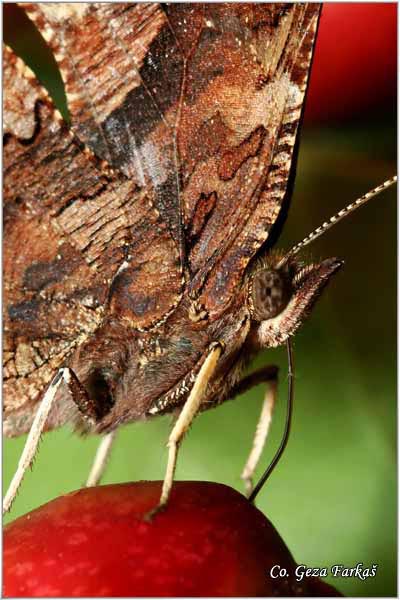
x=132, y=375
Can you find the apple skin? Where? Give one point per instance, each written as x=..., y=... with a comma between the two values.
x=209, y=541
x=355, y=62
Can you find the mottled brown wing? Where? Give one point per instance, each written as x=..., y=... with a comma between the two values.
x=74, y=232
x=201, y=102
x=123, y=72
x=237, y=136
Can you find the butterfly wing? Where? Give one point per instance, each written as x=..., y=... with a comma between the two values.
x=122, y=71
x=238, y=135
x=41, y=322
x=201, y=100
x=71, y=228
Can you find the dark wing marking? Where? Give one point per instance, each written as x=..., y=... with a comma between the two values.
x=77, y=238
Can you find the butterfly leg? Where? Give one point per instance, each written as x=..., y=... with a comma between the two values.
x=268, y=375
x=260, y=436
x=35, y=432
x=100, y=460
x=185, y=419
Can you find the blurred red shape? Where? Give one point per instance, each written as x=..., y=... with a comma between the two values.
x=355, y=62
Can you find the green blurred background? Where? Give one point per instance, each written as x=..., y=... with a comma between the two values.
x=333, y=497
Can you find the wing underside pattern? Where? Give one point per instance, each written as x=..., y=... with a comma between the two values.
x=184, y=119
x=201, y=103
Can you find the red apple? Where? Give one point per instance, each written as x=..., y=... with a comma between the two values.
x=209, y=541
x=355, y=61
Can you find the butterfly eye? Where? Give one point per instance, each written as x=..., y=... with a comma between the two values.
x=269, y=295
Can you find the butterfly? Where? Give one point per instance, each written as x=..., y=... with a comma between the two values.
x=138, y=273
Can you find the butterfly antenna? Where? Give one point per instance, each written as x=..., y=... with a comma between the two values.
x=336, y=218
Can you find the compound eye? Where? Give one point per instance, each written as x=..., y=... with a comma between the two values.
x=270, y=294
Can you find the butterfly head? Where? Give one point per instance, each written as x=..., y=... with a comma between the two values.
x=281, y=296
x=282, y=290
